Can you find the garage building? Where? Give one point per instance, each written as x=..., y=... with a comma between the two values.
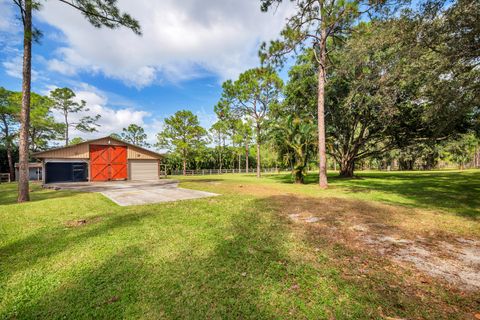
x=104, y=159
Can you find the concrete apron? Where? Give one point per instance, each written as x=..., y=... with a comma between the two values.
x=127, y=193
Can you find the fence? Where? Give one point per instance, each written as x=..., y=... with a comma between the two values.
x=202, y=172
x=4, y=177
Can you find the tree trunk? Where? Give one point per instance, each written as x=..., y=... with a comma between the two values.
x=11, y=167
x=477, y=158
x=184, y=167
x=258, y=152
x=298, y=174
x=322, y=153
x=66, y=129
x=23, y=187
x=233, y=158
x=239, y=163
x=347, y=166
x=405, y=165
x=220, y=160
x=247, y=154
x=8, y=146
x=298, y=178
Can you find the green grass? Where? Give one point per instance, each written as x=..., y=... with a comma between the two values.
x=450, y=191
x=232, y=256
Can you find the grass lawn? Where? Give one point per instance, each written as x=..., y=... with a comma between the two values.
x=250, y=253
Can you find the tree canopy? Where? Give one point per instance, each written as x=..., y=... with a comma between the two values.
x=251, y=96
x=182, y=135
x=135, y=134
x=64, y=100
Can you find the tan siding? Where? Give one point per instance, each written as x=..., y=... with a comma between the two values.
x=136, y=153
x=107, y=141
x=76, y=152
x=82, y=151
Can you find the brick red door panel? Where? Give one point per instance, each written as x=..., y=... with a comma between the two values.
x=108, y=163
x=99, y=163
x=118, y=162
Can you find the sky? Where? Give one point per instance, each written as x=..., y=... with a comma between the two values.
x=188, y=48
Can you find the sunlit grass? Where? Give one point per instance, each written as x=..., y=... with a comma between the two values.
x=450, y=191
x=232, y=256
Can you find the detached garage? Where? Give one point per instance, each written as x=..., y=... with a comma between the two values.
x=104, y=159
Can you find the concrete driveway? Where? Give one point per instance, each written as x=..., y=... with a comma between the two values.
x=127, y=193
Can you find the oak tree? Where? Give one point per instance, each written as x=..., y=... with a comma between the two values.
x=318, y=24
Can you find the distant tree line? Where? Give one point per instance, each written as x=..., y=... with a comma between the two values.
x=374, y=84
x=398, y=91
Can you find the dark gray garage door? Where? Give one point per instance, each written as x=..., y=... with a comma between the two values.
x=66, y=172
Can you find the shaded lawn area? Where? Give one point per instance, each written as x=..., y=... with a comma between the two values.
x=451, y=191
x=234, y=256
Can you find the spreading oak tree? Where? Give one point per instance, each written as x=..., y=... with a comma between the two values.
x=318, y=24
x=43, y=126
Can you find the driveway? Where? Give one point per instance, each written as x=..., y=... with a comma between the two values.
x=127, y=193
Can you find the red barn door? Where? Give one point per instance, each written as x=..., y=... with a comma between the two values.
x=108, y=163
x=118, y=163
x=99, y=163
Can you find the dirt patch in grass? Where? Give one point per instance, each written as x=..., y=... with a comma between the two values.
x=440, y=245
x=455, y=262
x=387, y=231
x=81, y=222
x=401, y=253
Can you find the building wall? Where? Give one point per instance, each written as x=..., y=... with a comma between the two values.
x=82, y=151
x=34, y=174
x=136, y=153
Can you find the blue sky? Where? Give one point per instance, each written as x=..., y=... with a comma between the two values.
x=187, y=50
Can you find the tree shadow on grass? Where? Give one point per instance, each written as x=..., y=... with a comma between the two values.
x=42, y=245
x=225, y=281
x=457, y=192
x=376, y=280
x=245, y=271
x=8, y=194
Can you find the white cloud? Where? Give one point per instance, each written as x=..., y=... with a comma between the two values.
x=7, y=23
x=13, y=67
x=61, y=67
x=206, y=119
x=181, y=39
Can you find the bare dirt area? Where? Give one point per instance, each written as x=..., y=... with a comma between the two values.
x=407, y=237
x=456, y=262
x=439, y=245
x=81, y=222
